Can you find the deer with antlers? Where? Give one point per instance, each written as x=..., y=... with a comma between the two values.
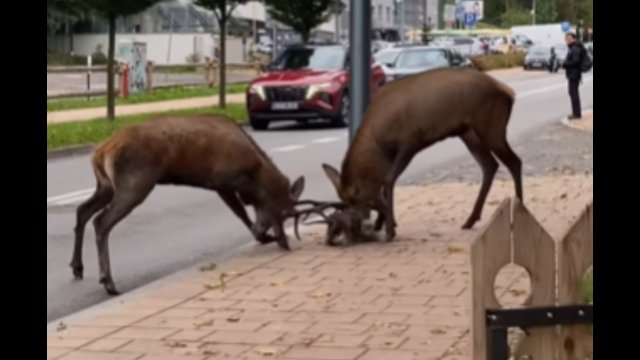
x=405, y=117
x=209, y=152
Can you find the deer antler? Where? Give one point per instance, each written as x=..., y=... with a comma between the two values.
x=318, y=209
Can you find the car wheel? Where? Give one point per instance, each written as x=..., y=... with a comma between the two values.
x=257, y=124
x=342, y=119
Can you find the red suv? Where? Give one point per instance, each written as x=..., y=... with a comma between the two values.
x=305, y=82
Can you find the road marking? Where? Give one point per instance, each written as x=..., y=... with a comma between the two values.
x=547, y=89
x=325, y=140
x=70, y=198
x=288, y=148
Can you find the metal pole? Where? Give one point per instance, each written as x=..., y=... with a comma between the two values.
x=360, y=66
x=533, y=12
x=338, y=16
x=401, y=10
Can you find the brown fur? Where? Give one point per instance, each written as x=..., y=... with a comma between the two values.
x=410, y=114
x=209, y=152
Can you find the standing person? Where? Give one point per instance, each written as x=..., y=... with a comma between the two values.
x=553, y=61
x=573, y=69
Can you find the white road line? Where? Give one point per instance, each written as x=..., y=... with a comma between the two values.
x=72, y=195
x=288, y=148
x=548, y=88
x=325, y=140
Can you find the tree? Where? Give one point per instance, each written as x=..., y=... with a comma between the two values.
x=62, y=11
x=222, y=9
x=302, y=15
x=111, y=10
x=545, y=11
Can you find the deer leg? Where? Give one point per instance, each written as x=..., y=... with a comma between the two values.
x=233, y=202
x=513, y=163
x=85, y=211
x=379, y=221
x=489, y=166
x=400, y=163
x=126, y=198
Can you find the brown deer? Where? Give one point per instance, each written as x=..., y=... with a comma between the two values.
x=409, y=115
x=209, y=152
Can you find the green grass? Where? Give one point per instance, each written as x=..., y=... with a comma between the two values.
x=587, y=287
x=94, y=131
x=163, y=94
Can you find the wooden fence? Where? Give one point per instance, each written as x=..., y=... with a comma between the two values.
x=209, y=69
x=556, y=270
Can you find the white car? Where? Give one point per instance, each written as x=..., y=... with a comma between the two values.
x=387, y=58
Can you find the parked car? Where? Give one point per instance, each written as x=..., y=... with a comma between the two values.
x=305, y=82
x=539, y=57
x=386, y=58
x=412, y=60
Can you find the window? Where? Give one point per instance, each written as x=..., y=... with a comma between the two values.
x=380, y=12
x=319, y=58
x=388, y=14
x=422, y=59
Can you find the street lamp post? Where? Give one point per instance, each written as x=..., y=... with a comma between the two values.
x=360, y=61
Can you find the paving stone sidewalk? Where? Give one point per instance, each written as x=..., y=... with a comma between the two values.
x=405, y=300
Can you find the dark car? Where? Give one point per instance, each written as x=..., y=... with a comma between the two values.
x=305, y=82
x=538, y=57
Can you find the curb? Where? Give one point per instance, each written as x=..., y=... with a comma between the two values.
x=70, y=151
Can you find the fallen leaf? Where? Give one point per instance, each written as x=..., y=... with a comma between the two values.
x=208, y=267
x=61, y=326
x=267, y=352
x=211, y=352
x=277, y=284
x=563, y=196
x=201, y=323
x=212, y=287
x=320, y=295
x=517, y=292
x=393, y=275
x=176, y=344
x=455, y=249
x=438, y=332
x=233, y=319
x=434, y=234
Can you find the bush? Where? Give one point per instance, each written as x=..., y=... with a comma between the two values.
x=498, y=61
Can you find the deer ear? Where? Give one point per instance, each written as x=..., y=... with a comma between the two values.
x=333, y=175
x=297, y=188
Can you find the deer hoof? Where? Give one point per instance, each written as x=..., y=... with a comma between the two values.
x=390, y=236
x=469, y=224
x=284, y=245
x=78, y=271
x=109, y=286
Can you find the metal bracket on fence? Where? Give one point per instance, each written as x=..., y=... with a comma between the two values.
x=499, y=321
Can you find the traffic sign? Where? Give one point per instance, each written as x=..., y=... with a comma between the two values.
x=565, y=26
x=470, y=19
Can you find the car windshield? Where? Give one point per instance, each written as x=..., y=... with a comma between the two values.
x=540, y=51
x=422, y=58
x=319, y=58
x=386, y=56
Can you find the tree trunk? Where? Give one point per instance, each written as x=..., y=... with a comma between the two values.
x=222, y=98
x=111, y=106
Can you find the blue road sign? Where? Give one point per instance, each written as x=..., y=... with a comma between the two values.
x=565, y=26
x=470, y=19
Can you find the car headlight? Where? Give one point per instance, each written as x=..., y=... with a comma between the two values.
x=258, y=90
x=315, y=88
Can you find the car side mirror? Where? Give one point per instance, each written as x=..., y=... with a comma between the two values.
x=390, y=65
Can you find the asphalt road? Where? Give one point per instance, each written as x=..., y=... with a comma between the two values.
x=177, y=227
x=77, y=82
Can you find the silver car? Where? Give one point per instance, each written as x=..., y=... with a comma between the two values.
x=418, y=59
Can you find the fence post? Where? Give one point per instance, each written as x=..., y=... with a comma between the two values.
x=490, y=252
x=149, y=69
x=575, y=256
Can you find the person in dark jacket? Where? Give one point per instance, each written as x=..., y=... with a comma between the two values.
x=573, y=69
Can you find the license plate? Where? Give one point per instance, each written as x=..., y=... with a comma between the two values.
x=292, y=105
